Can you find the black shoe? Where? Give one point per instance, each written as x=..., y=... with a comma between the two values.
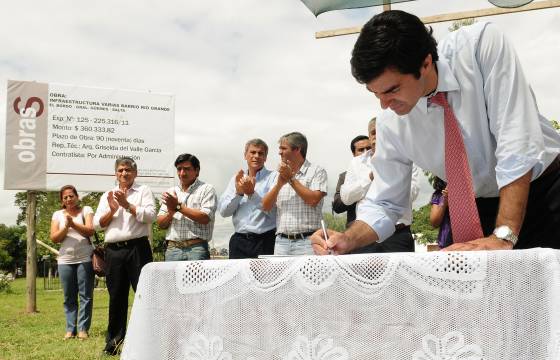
x=110, y=351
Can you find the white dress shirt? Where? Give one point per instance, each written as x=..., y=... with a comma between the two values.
x=357, y=184
x=504, y=134
x=125, y=226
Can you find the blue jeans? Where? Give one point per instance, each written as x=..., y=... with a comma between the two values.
x=189, y=253
x=284, y=246
x=77, y=279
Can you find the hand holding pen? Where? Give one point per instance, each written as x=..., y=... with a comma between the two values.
x=325, y=235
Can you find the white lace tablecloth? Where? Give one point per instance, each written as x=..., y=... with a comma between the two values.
x=431, y=306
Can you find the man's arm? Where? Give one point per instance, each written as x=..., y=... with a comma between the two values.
x=269, y=199
x=337, y=205
x=513, y=203
x=309, y=197
x=207, y=209
x=358, y=235
x=145, y=212
x=317, y=189
x=108, y=206
x=231, y=198
x=414, y=188
x=164, y=220
x=165, y=214
x=514, y=122
x=357, y=181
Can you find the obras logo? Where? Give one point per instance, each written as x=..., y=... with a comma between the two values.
x=26, y=145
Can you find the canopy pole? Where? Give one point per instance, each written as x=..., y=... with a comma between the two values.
x=538, y=5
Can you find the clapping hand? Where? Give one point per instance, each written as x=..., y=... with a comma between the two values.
x=248, y=185
x=285, y=171
x=113, y=204
x=170, y=200
x=239, y=182
x=120, y=197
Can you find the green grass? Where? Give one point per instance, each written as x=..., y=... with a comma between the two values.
x=39, y=336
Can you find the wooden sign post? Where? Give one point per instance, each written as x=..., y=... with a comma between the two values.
x=31, y=273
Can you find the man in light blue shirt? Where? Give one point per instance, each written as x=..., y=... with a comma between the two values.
x=512, y=149
x=255, y=229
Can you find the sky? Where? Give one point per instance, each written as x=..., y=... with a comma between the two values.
x=238, y=69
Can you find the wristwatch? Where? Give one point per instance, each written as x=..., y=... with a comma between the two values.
x=505, y=233
x=178, y=207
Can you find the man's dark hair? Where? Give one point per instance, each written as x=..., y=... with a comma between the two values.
x=392, y=39
x=355, y=140
x=190, y=158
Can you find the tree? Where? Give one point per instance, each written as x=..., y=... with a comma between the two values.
x=158, y=241
x=421, y=225
x=12, y=247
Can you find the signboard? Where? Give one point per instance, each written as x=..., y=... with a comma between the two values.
x=63, y=134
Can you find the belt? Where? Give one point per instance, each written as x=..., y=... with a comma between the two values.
x=296, y=236
x=126, y=243
x=552, y=168
x=401, y=226
x=184, y=243
x=250, y=235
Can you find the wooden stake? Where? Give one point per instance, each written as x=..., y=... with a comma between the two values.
x=31, y=270
x=537, y=5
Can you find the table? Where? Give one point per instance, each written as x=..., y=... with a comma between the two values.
x=423, y=306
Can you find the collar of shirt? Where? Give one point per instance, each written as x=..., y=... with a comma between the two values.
x=303, y=169
x=193, y=186
x=134, y=187
x=446, y=83
x=263, y=172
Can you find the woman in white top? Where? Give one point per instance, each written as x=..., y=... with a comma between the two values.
x=72, y=227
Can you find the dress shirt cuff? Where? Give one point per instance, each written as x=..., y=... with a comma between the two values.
x=379, y=222
x=145, y=214
x=514, y=167
x=208, y=211
x=229, y=204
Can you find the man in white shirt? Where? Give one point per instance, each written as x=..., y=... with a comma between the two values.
x=359, y=145
x=125, y=213
x=355, y=187
x=512, y=150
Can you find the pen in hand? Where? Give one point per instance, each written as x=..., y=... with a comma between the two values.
x=325, y=234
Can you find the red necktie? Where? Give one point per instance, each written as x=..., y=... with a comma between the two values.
x=465, y=222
